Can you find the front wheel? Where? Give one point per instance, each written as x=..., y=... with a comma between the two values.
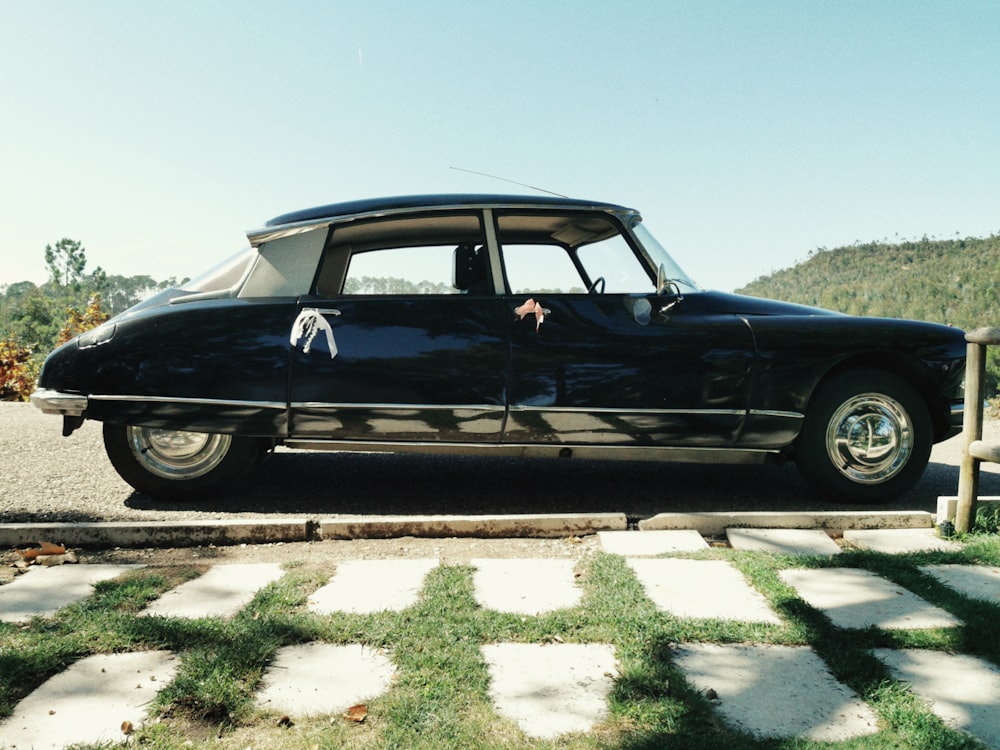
x=866, y=437
x=177, y=465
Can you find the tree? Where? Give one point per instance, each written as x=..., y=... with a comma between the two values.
x=37, y=318
x=66, y=262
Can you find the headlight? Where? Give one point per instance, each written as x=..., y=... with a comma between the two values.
x=97, y=336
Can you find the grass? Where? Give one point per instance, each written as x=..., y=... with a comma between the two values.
x=440, y=696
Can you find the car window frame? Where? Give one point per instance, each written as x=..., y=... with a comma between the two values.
x=335, y=261
x=612, y=220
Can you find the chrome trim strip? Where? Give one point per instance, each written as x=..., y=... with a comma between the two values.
x=258, y=237
x=625, y=411
x=610, y=410
x=774, y=413
x=188, y=401
x=398, y=407
x=521, y=408
x=75, y=400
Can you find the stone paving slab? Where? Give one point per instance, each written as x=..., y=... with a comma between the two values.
x=974, y=581
x=89, y=702
x=221, y=592
x=41, y=592
x=645, y=543
x=318, y=679
x=776, y=691
x=526, y=586
x=367, y=586
x=898, y=541
x=551, y=689
x=709, y=589
x=858, y=599
x=783, y=541
x=962, y=690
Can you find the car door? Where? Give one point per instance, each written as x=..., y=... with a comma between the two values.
x=402, y=340
x=614, y=365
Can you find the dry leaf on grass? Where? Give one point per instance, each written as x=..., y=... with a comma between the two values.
x=43, y=548
x=357, y=713
x=49, y=560
x=46, y=554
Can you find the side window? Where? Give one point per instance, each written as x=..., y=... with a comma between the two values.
x=567, y=253
x=408, y=254
x=614, y=261
x=541, y=268
x=402, y=270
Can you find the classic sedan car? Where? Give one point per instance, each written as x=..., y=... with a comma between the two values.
x=497, y=325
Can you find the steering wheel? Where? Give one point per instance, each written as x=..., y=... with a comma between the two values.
x=598, y=282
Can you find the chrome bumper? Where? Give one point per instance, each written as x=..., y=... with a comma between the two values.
x=55, y=402
x=957, y=412
x=956, y=418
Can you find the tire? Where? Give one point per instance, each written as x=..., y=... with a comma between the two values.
x=866, y=437
x=176, y=465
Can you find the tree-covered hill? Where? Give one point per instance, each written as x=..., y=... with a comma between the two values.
x=956, y=282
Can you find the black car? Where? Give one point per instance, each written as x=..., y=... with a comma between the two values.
x=497, y=325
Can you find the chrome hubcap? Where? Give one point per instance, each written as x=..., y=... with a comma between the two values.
x=173, y=454
x=870, y=438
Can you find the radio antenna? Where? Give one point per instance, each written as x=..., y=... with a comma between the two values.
x=512, y=182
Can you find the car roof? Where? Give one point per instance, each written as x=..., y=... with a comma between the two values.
x=457, y=200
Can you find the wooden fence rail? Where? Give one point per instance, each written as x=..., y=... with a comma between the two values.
x=975, y=450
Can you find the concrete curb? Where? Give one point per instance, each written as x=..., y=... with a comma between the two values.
x=715, y=524
x=488, y=527
x=196, y=533
x=157, y=533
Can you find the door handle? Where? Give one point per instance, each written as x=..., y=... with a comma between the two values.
x=323, y=311
x=530, y=307
x=310, y=321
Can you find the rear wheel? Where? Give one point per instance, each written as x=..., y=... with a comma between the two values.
x=866, y=437
x=178, y=465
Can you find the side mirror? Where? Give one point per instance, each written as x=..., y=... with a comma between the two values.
x=667, y=287
x=661, y=280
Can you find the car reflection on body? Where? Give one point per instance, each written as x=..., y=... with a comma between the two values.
x=497, y=325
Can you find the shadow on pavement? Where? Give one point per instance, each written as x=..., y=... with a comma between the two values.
x=382, y=484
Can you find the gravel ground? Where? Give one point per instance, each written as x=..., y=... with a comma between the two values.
x=45, y=477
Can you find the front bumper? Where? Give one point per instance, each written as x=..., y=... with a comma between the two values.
x=956, y=418
x=56, y=402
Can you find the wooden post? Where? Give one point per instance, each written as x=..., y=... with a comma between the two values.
x=972, y=430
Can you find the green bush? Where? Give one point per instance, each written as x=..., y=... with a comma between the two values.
x=18, y=369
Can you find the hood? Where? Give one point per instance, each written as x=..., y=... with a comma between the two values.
x=738, y=304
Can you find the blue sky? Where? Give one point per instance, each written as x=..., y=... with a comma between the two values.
x=747, y=133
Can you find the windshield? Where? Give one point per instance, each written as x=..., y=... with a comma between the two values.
x=224, y=275
x=659, y=256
